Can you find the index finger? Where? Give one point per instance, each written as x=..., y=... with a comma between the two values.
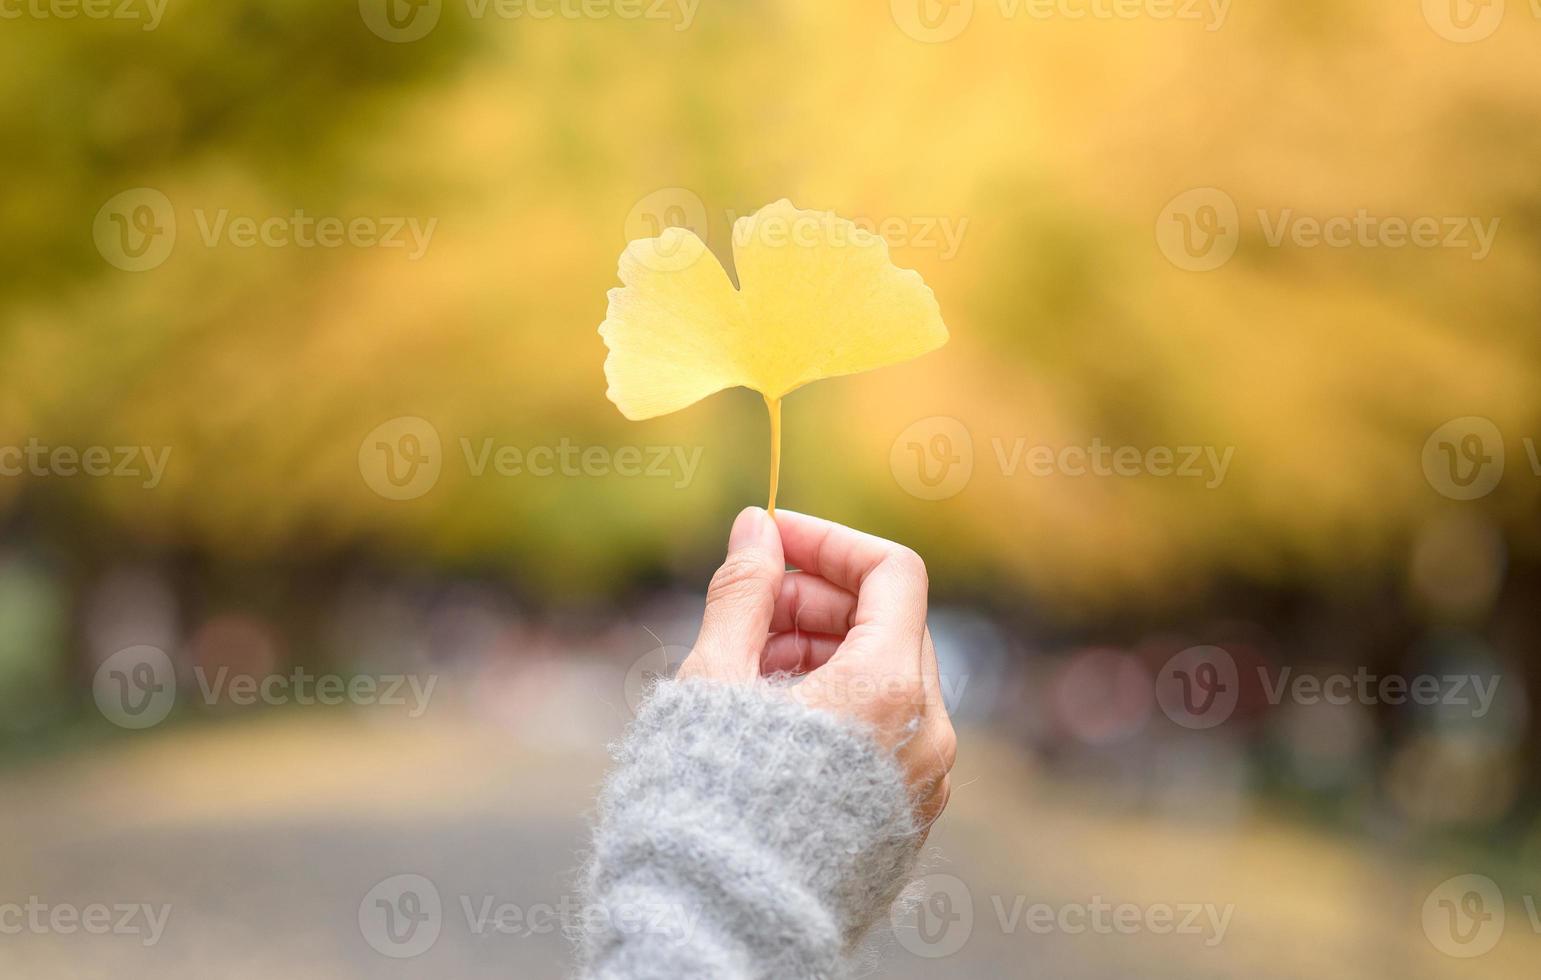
x=889, y=579
x=834, y=552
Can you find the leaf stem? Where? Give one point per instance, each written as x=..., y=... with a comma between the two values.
x=773, y=405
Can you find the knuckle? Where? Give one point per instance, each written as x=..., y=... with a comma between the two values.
x=909, y=563
x=947, y=746
x=738, y=579
x=912, y=691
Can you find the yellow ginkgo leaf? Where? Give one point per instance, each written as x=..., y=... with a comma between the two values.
x=818, y=297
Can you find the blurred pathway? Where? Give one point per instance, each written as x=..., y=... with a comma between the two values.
x=265, y=835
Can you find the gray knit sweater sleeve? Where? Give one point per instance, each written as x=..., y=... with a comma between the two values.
x=742, y=835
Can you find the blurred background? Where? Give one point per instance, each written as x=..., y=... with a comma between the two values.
x=327, y=570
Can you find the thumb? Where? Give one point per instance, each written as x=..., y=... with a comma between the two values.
x=742, y=597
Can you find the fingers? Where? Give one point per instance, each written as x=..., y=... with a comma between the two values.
x=889, y=580
x=832, y=551
x=809, y=603
x=885, y=672
x=797, y=653
x=742, y=597
x=931, y=674
x=810, y=620
x=944, y=738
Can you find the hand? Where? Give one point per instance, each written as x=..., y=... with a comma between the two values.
x=851, y=624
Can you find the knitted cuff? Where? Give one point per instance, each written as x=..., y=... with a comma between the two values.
x=785, y=831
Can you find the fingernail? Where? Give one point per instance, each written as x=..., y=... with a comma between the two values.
x=748, y=529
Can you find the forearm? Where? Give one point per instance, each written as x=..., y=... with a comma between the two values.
x=742, y=835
